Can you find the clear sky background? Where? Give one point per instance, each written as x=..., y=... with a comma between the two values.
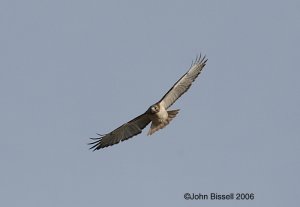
x=71, y=69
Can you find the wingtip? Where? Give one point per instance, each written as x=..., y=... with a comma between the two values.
x=96, y=142
x=200, y=59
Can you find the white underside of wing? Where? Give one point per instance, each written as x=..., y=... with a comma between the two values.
x=184, y=83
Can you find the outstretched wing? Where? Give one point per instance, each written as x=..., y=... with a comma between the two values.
x=124, y=132
x=184, y=83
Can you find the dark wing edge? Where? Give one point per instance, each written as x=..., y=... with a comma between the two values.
x=122, y=133
x=184, y=83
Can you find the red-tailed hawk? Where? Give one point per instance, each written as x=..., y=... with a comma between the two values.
x=157, y=114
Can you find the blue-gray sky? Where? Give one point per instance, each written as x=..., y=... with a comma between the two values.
x=71, y=69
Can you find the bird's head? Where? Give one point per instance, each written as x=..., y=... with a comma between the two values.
x=154, y=108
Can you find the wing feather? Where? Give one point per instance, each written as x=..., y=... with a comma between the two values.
x=124, y=132
x=184, y=83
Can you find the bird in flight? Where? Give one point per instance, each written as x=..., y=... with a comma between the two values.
x=157, y=113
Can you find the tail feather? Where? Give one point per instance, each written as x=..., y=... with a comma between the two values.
x=172, y=114
x=157, y=126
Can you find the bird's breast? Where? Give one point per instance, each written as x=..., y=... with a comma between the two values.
x=160, y=116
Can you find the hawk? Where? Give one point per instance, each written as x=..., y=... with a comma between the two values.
x=157, y=113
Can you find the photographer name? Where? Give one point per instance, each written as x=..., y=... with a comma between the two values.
x=218, y=196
